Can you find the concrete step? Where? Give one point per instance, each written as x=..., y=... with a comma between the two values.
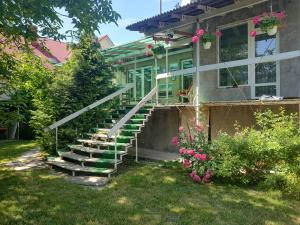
x=102, y=143
x=83, y=160
x=77, y=169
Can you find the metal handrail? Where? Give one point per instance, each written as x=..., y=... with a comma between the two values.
x=95, y=104
x=115, y=129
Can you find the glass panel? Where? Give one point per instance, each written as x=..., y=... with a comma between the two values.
x=265, y=90
x=139, y=94
x=130, y=79
x=265, y=72
x=188, y=78
x=147, y=80
x=234, y=46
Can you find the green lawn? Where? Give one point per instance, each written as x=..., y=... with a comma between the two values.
x=145, y=194
x=12, y=149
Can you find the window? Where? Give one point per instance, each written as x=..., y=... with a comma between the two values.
x=233, y=46
x=187, y=79
x=265, y=73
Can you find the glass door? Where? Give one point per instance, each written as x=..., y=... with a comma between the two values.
x=139, y=84
x=147, y=73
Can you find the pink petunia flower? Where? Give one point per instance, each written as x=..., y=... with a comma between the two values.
x=191, y=152
x=180, y=129
x=195, y=39
x=199, y=127
x=256, y=20
x=200, y=32
x=149, y=46
x=197, y=179
x=175, y=141
x=219, y=34
x=253, y=33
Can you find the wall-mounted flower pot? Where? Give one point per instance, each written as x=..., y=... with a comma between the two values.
x=272, y=31
x=159, y=56
x=207, y=45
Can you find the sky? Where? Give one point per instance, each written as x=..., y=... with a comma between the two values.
x=131, y=11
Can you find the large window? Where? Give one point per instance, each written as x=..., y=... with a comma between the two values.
x=265, y=73
x=233, y=46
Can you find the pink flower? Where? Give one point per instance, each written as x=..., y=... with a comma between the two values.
x=208, y=174
x=186, y=163
x=256, y=20
x=253, y=33
x=197, y=156
x=195, y=39
x=149, y=46
x=175, y=141
x=219, y=34
x=203, y=157
x=200, y=32
x=182, y=151
x=191, y=152
x=281, y=15
x=193, y=173
x=200, y=150
x=180, y=129
x=197, y=179
x=199, y=127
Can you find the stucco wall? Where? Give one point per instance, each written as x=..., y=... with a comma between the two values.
x=289, y=40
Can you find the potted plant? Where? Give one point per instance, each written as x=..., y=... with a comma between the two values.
x=159, y=51
x=205, y=39
x=269, y=22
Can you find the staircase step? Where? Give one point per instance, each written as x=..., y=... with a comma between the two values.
x=81, y=158
x=95, y=150
x=102, y=143
x=137, y=121
x=58, y=162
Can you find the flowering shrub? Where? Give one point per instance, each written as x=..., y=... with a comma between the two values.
x=194, y=151
x=268, y=21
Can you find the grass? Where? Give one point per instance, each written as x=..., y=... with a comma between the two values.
x=12, y=149
x=145, y=194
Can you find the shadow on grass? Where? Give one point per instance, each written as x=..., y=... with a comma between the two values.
x=146, y=194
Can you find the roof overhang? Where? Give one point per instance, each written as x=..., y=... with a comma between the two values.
x=195, y=12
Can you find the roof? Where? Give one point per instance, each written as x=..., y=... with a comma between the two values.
x=176, y=15
x=59, y=51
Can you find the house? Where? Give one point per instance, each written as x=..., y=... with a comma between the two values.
x=226, y=80
x=219, y=84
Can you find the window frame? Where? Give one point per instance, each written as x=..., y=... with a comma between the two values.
x=251, y=54
x=227, y=26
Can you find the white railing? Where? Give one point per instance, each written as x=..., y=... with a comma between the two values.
x=55, y=125
x=114, y=131
x=95, y=104
x=224, y=65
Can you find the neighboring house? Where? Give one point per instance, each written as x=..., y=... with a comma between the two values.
x=105, y=42
x=224, y=89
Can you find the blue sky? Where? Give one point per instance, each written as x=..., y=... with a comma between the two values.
x=131, y=11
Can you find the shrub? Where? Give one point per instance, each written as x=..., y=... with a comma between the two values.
x=269, y=154
x=194, y=151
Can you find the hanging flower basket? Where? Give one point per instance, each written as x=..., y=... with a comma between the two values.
x=159, y=51
x=269, y=23
x=205, y=39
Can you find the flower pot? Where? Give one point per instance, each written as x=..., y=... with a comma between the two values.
x=207, y=45
x=159, y=56
x=272, y=31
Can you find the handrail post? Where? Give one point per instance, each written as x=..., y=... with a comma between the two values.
x=116, y=149
x=136, y=148
x=56, y=138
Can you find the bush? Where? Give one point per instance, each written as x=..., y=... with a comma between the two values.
x=194, y=151
x=269, y=154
